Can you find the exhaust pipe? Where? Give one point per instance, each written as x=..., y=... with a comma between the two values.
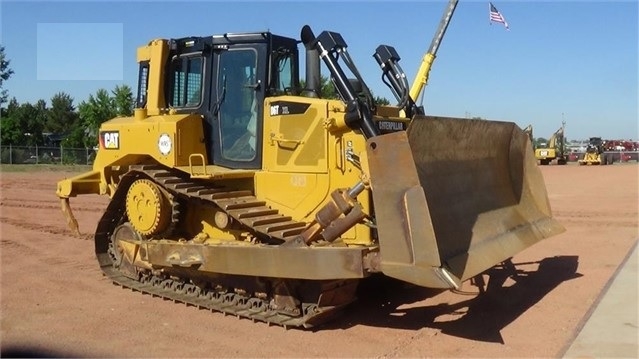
x=313, y=74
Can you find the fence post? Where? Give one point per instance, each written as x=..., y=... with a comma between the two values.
x=37, y=155
x=86, y=155
x=10, y=155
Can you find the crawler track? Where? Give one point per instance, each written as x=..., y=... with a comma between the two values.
x=252, y=308
x=243, y=207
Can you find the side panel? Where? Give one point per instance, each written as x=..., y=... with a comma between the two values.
x=295, y=194
x=295, y=156
x=305, y=160
x=295, y=139
x=169, y=139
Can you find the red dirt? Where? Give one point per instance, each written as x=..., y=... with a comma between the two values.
x=54, y=300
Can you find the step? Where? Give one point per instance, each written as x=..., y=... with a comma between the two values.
x=258, y=221
x=245, y=213
x=274, y=227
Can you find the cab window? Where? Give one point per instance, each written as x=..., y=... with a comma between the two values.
x=283, y=80
x=284, y=73
x=143, y=84
x=186, y=90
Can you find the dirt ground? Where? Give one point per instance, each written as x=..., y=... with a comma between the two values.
x=55, y=301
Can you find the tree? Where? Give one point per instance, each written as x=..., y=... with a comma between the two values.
x=327, y=89
x=5, y=74
x=12, y=133
x=76, y=138
x=23, y=124
x=123, y=100
x=383, y=101
x=93, y=113
x=36, y=122
x=98, y=108
x=62, y=116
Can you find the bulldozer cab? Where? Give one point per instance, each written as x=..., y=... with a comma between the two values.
x=226, y=79
x=595, y=145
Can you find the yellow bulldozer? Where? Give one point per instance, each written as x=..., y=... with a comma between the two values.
x=232, y=188
x=555, y=149
x=595, y=153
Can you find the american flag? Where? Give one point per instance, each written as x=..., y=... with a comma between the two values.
x=496, y=16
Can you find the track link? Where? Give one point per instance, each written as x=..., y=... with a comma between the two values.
x=253, y=308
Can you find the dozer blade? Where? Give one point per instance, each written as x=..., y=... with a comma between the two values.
x=454, y=197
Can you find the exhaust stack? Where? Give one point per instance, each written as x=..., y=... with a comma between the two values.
x=313, y=74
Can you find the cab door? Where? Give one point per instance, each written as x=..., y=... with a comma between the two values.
x=236, y=105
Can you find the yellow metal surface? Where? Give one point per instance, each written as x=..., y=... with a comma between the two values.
x=545, y=153
x=147, y=208
x=421, y=79
x=200, y=224
x=156, y=53
x=85, y=183
x=477, y=187
x=591, y=158
x=296, y=142
x=68, y=214
x=181, y=136
x=214, y=172
x=387, y=111
x=352, y=145
x=305, y=159
x=553, y=149
x=126, y=248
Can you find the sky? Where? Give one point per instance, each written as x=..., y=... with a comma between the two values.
x=572, y=61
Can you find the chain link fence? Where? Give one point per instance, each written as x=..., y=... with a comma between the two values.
x=46, y=155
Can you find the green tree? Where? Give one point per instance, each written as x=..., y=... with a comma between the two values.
x=12, y=131
x=75, y=138
x=62, y=115
x=93, y=113
x=123, y=100
x=5, y=74
x=36, y=123
x=383, y=101
x=98, y=108
x=23, y=124
x=327, y=89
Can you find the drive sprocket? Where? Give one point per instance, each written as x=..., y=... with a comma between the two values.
x=148, y=208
